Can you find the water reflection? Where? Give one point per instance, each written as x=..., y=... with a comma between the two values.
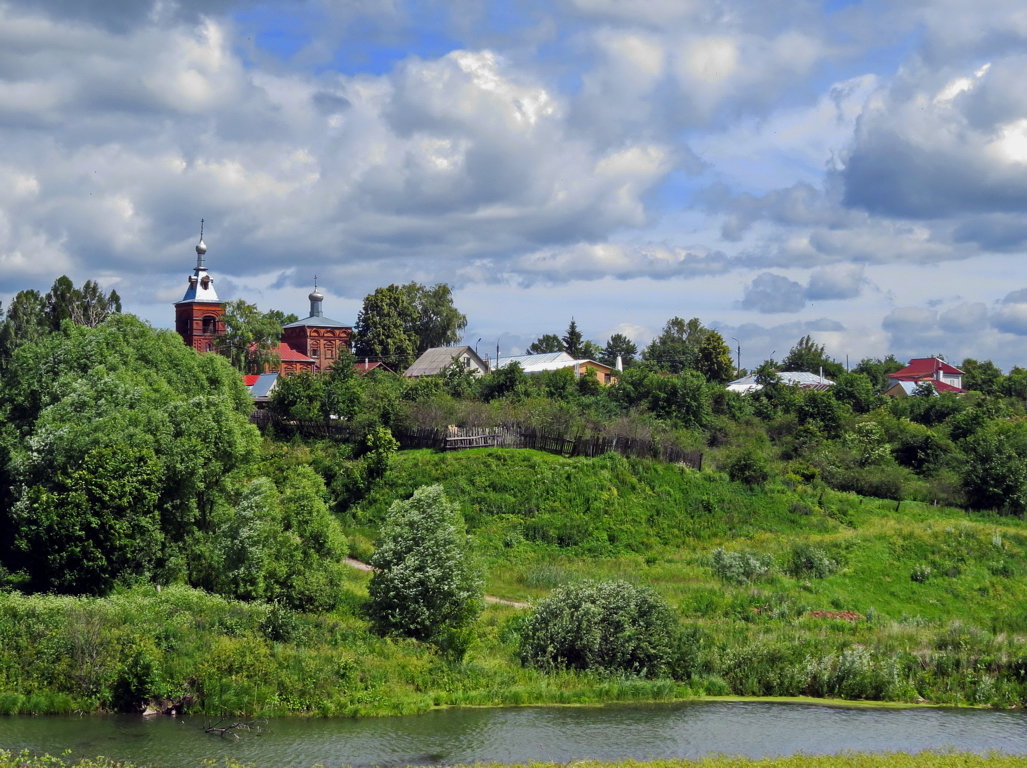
x=529, y=734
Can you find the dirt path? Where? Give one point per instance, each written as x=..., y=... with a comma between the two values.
x=352, y=563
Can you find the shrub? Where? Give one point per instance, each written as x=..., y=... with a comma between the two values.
x=741, y=567
x=748, y=467
x=810, y=562
x=424, y=586
x=608, y=626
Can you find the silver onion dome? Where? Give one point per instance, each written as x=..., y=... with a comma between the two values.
x=201, y=248
x=316, y=295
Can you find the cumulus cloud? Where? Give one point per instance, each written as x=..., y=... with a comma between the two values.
x=774, y=293
x=930, y=147
x=844, y=281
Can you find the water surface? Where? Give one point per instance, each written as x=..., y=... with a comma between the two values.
x=559, y=734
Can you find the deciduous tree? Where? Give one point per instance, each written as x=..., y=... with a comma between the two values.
x=424, y=585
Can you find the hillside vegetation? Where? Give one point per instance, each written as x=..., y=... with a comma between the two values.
x=784, y=590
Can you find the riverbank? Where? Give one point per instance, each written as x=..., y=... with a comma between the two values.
x=890, y=760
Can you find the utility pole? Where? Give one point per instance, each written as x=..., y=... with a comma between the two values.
x=738, y=365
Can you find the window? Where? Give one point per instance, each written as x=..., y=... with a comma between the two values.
x=329, y=350
x=314, y=351
x=210, y=325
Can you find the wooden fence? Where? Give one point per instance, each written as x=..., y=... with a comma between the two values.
x=456, y=439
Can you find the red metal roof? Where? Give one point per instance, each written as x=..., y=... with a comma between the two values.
x=290, y=355
x=249, y=379
x=924, y=367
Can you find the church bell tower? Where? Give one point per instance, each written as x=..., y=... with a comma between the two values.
x=198, y=315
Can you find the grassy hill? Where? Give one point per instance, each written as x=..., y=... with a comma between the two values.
x=788, y=590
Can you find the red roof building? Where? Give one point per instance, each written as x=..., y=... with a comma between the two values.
x=944, y=376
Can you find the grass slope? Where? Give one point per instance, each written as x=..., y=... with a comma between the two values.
x=940, y=599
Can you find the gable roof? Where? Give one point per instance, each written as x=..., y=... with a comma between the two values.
x=800, y=379
x=368, y=367
x=434, y=360
x=544, y=358
x=261, y=388
x=909, y=387
x=290, y=355
x=318, y=321
x=924, y=367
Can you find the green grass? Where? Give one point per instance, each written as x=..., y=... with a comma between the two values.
x=954, y=634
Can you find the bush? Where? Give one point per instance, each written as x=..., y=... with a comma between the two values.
x=423, y=585
x=748, y=467
x=741, y=567
x=608, y=626
x=807, y=561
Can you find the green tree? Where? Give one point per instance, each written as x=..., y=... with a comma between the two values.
x=1015, y=384
x=619, y=345
x=301, y=397
x=713, y=359
x=809, y=356
x=981, y=376
x=856, y=390
x=995, y=467
x=251, y=336
x=424, y=585
x=610, y=626
x=120, y=442
x=545, y=344
x=87, y=305
x=877, y=370
x=677, y=348
x=573, y=340
x=438, y=322
x=385, y=327
x=508, y=381
x=399, y=322
x=25, y=323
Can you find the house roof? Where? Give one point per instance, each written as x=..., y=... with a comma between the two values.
x=368, y=367
x=286, y=353
x=317, y=321
x=544, y=358
x=263, y=385
x=924, y=367
x=801, y=379
x=434, y=360
x=249, y=379
x=290, y=355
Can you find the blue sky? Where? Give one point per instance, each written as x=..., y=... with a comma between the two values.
x=855, y=170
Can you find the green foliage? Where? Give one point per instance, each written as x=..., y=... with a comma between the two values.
x=424, y=585
x=809, y=356
x=619, y=345
x=548, y=342
x=608, y=626
x=868, y=443
x=995, y=470
x=748, y=466
x=740, y=567
x=251, y=336
x=573, y=340
x=120, y=442
x=508, y=381
x=300, y=397
x=676, y=349
x=857, y=391
x=713, y=358
x=399, y=322
x=808, y=561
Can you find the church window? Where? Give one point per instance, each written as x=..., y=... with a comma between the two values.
x=210, y=325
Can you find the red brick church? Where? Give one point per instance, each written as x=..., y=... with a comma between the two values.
x=309, y=345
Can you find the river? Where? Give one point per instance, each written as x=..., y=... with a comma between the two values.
x=559, y=734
